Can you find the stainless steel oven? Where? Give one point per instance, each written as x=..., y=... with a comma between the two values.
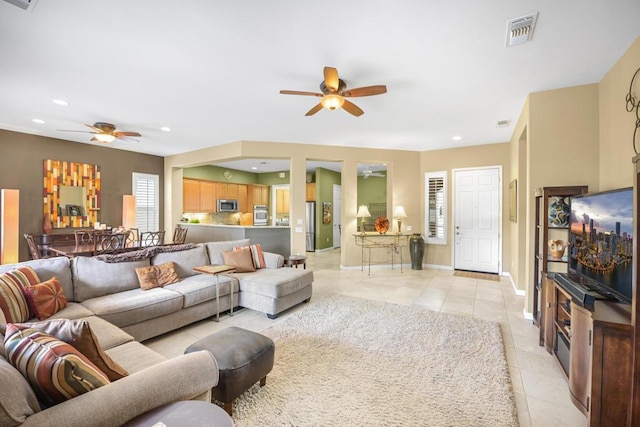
x=260, y=215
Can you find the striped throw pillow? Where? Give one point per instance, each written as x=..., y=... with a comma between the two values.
x=55, y=370
x=45, y=299
x=256, y=255
x=12, y=300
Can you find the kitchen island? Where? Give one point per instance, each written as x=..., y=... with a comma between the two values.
x=276, y=239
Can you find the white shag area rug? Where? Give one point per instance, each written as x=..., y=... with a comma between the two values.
x=345, y=361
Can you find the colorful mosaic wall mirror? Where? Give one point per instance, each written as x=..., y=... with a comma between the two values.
x=71, y=193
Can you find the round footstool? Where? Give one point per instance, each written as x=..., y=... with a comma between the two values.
x=244, y=358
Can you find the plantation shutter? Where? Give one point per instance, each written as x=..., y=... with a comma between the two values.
x=146, y=190
x=436, y=207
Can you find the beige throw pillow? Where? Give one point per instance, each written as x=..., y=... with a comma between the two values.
x=240, y=259
x=156, y=276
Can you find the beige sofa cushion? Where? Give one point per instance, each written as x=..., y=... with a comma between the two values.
x=215, y=249
x=134, y=306
x=93, y=278
x=274, y=283
x=17, y=397
x=202, y=287
x=184, y=261
x=48, y=268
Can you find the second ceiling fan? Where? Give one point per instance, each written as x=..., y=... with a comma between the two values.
x=334, y=91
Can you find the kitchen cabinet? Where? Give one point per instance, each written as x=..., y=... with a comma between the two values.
x=232, y=191
x=258, y=194
x=208, y=196
x=311, y=192
x=282, y=200
x=221, y=190
x=243, y=203
x=190, y=195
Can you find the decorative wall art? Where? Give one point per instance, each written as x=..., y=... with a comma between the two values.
x=513, y=201
x=326, y=213
x=69, y=178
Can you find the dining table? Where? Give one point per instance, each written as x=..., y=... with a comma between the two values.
x=73, y=250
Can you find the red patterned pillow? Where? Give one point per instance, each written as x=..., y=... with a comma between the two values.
x=55, y=370
x=256, y=255
x=45, y=299
x=12, y=300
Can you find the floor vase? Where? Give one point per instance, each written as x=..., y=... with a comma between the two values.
x=416, y=248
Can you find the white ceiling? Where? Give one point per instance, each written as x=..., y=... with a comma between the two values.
x=212, y=70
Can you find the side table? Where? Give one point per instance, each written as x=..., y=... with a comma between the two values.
x=296, y=260
x=217, y=270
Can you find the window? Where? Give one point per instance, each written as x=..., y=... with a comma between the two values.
x=146, y=190
x=436, y=207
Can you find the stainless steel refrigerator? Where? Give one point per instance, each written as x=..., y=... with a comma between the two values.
x=311, y=226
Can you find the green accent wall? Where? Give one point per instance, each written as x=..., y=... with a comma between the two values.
x=216, y=173
x=325, y=180
x=273, y=178
x=371, y=190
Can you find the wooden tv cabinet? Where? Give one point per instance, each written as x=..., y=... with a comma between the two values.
x=593, y=346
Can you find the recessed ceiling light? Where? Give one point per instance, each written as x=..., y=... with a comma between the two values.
x=61, y=102
x=457, y=138
x=165, y=129
x=38, y=121
x=254, y=168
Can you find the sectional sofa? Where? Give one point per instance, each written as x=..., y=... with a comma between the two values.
x=121, y=314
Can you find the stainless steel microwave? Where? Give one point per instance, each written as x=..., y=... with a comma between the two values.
x=227, y=205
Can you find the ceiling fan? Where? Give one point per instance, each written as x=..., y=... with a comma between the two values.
x=106, y=132
x=368, y=172
x=334, y=91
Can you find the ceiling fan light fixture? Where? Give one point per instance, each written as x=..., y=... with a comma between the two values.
x=105, y=137
x=332, y=102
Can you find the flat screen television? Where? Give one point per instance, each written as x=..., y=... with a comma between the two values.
x=601, y=243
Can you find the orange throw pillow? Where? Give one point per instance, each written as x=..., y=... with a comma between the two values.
x=45, y=299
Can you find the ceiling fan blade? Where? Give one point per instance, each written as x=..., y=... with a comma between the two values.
x=314, y=110
x=118, y=134
x=331, y=79
x=352, y=108
x=95, y=128
x=297, y=92
x=366, y=91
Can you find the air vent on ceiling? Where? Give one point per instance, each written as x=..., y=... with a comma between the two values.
x=23, y=4
x=503, y=123
x=520, y=30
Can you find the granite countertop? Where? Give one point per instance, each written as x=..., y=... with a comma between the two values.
x=234, y=226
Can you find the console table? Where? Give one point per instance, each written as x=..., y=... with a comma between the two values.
x=392, y=243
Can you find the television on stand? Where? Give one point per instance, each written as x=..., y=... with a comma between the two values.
x=601, y=243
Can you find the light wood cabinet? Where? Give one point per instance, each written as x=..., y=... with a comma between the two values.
x=221, y=190
x=232, y=191
x=208, y=196
x=258, y=194
x=311, y=192
x=243, y=202
x=190, y=195
x=282, y=200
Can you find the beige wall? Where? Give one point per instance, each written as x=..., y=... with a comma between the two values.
x=468, y=157
x=616, y=124
x=21, y=160
x=403, y=171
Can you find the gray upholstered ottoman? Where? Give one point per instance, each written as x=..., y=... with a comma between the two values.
x=244, y=358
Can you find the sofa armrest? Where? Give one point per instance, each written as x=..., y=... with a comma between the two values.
x=273, y=260
x=182, y=378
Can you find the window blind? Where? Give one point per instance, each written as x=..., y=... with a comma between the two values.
x=146, y=190
x=436, y=207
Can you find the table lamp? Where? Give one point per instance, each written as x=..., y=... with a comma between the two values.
x=399, y=214
x=363, y=212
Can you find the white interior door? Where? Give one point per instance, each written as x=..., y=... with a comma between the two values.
x=337, y=209
x=477, y=220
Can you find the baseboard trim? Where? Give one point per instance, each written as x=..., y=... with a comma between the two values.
x=519, y=292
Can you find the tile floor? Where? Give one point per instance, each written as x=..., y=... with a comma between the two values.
x=541, y=391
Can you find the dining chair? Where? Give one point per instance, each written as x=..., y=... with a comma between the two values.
x=179, y=235
x=37, y=251
x=108, y=242
x=132, y=238
x=84, y=236
x=151, y=238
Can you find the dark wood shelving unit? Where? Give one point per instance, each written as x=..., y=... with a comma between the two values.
x=544, y=263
